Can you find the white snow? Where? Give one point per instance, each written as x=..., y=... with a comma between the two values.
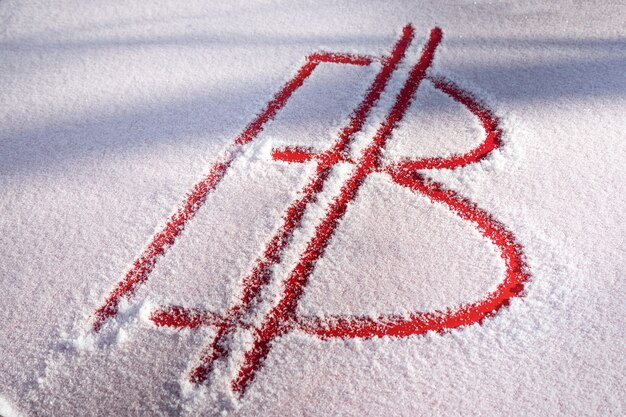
x=392, y=254
x=7, y=410
x=111, y=112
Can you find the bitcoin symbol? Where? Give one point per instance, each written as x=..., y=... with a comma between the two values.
x=282, y=317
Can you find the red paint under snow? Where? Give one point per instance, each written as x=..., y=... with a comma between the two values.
x=293, y=154
x=282, y=317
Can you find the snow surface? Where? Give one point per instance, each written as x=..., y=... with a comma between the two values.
x=110, y=112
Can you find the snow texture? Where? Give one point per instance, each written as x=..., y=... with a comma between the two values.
x=110, y=112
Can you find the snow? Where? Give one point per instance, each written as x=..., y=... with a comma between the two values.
x=110, y=113
x=6, y=409
x=403, y=254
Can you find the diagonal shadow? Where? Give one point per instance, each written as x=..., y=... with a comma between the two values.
x=217, y=116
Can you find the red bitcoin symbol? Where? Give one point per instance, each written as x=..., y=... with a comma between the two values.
x=282, y=317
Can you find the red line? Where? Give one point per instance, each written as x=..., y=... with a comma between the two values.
x=181, y=317
x=282, y=318
x=488, y=120
x=146, y=262
x=341, y=58
x=297, y=154
x=293, y=154
x=261, y=272
x=419, y=323
x=141, y=268
x=279, y=319
x=404, y=174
